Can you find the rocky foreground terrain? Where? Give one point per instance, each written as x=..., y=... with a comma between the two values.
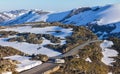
x=86, y=38
x=28, y=45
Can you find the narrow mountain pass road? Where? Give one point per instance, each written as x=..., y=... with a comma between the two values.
x=75, y=50
x=40, y=68
x=47, y=66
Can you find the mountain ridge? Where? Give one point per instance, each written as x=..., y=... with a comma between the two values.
x=103, y=21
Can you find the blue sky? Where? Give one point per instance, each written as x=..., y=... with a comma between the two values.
x=54, y=5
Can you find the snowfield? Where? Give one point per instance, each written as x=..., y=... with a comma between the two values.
x=107, y=52
x=45, y=30
x=33, y=48
x=103, y=16
x=117, y=29
x=30, y=49
x=109, y=14
x=55, y=17
x=23, y=16
x=25, y=63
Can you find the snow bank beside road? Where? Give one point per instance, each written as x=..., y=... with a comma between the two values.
x=107, y=52
x=25, y=63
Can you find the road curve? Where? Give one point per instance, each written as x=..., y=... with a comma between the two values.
x=40, y=68
x=75, y=50
x=47, y=66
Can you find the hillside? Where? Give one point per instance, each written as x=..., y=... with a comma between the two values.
x=29, y=38
x=80, y=16
x=46, y=40
x=102, y=20
x=22, y=16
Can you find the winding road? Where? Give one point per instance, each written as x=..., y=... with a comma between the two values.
x=47, y=66
x=75, y=50
x=40, y=68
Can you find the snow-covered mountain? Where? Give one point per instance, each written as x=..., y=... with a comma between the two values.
x=104, y=15
x=8, y=15
x=22, y=16
x=104, y=20
x=100, y=15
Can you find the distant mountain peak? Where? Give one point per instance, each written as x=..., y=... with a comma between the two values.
x=102, y=20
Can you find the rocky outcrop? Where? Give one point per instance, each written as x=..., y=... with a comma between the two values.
x=51, y=70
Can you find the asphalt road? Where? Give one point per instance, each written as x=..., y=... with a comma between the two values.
x=47, y=66
x=75, y=50
x=40, y=68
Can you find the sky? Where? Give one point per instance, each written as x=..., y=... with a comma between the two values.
x=52, y=5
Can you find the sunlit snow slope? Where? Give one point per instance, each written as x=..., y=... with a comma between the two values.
x=80, y=16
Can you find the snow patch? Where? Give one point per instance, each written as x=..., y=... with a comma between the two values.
x=56, y=17
x=88, y=59
x=117, y=29
x=45, y=30
x=30, y=48
x=28, y=16
x=102, y=16
x=109, y=15
x=33, y=48
x=107, y=52
x=106, y=44
x=25, y=63
x=6, y=72
x=110, y=73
